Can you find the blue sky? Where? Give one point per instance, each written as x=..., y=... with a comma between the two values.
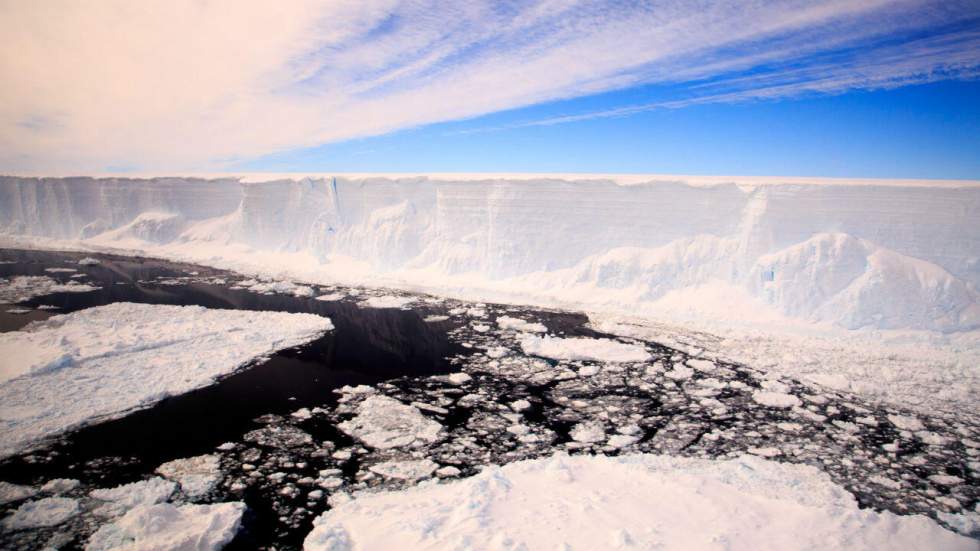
x=916, y=131
x=876, y=88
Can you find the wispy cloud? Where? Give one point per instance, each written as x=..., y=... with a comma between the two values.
x=182, y=84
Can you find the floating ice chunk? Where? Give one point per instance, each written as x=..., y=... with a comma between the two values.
x=60, y=485
x=517, y=324
x=542, y=503
x=281, y=288
x=10, y=493
x=143, y=492
x=382, y=422
x=281, y=437
x=60, y=270
x=679, y=373
x=101, y=362
x=48, y=511
x=405, y=470
x=946, y=479
x=775, y=399
x=434, y=319
x=301, y=414
x=588, y=432
x=459, y=378
x=331, y=297
x=21, y=288
x=701, y=365
x=622, y=440
x=196, y=475
x=166, y=526
x=520, y=405
x=905, y=422
x=89, y=261
x=387, y=301
x=602, y=350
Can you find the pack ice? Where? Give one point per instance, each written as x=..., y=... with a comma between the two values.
x=101, y=362
x=875, y=254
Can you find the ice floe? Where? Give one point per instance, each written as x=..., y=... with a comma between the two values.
x=642, y=501
x=603, y=350
x=165, y=526
x=383, y=422
x=48, y=511
x=21, y=288
x=196, y=475
x=104, y=361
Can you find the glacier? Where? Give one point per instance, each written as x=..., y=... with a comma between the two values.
x=870, y=254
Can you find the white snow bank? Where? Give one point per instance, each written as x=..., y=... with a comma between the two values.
x=165, y=526
x=601, y=350
x=382, y=422
x=641, y=501
x=101, y=362
x=21, y=288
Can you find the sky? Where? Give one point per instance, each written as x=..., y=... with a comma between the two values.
x=876, y=88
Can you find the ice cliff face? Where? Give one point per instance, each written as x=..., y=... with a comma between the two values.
x=856, y=255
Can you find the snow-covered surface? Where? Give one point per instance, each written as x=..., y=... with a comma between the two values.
x=799, y=257
x=602, y=350
x=21, y=288
x=911, y=369
x=166, y=526
x=127, y=496
x=383, y=422
x=48, y=511
x=629, y=502
x=10, y=493
x=101, y=362
x=196, y=475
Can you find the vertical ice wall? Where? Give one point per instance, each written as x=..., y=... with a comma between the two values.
x=881, y=254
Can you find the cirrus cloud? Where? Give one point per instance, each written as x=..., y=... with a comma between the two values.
x=192, y=84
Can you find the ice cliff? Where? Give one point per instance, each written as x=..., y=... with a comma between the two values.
x=876, y=254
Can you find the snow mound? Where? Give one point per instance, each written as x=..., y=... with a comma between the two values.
x=382, y=422
x=600, y=350
x=640, y=501
x=165, y=526
x=102, y=362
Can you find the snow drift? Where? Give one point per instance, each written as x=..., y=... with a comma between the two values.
x=878, y=254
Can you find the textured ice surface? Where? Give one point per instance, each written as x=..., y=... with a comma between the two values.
x=48, y=511
x=642, y=501
x=583, y=349
x=196, y=475
x=104, y=361
x=383, y=422
x=857, y=254
x=164, y=527
x=21, y=288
